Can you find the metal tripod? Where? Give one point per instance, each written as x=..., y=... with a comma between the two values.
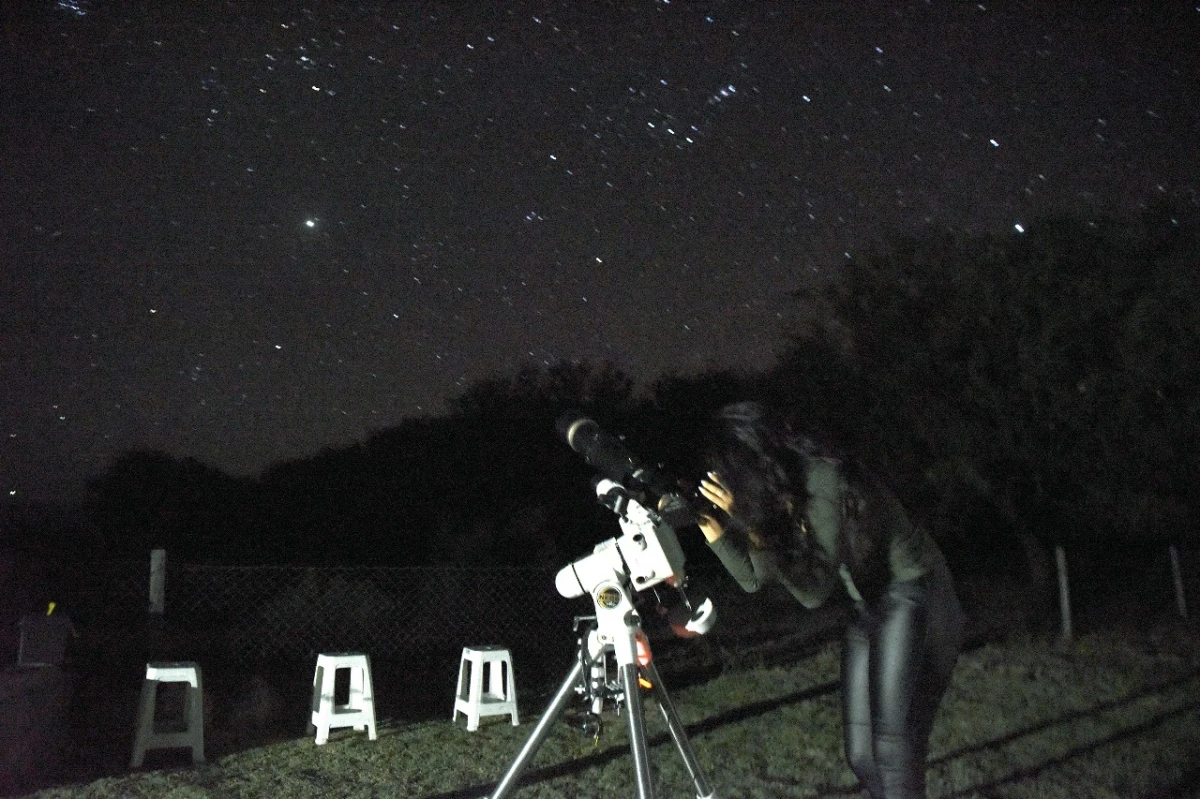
x=616, y=632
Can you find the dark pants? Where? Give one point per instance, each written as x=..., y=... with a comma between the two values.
x=897, y=659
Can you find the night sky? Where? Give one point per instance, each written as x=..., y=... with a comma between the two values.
x=248, y=231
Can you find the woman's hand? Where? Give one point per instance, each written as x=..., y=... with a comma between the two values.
x=716, y=492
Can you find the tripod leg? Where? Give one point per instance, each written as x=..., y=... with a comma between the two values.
x=678, y=734
x=538, y=736
x=637, y=730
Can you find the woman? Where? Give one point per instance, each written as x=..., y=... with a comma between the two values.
x=810, y=522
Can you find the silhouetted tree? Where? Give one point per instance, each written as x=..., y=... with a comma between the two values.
x=488, y=484
x=518, y=473
x=148, y=499
x=672, y=429
x=1050, y=377
x=541, y=393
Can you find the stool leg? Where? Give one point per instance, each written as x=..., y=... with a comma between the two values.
x=145, y=722
x=503, y=680
x=355, y=702
x=316, y=699
x=462, y=687
x=323, y=697
x=476, y=696
x=195, y=717
x=356, y=688
x=510, y=691
x=368, y=701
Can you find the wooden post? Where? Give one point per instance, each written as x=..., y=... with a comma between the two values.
x=1064, y=592
x=158, y=582
x=1177, y=576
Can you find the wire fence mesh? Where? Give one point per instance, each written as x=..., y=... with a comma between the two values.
x=248, y=614
x=269, y=611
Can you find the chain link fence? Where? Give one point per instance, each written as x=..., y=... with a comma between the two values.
x=248, y=615
x=423, y=616
x=255, y=613
x=420, y=617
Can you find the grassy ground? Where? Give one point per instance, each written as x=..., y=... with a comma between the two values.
x=1114, y=714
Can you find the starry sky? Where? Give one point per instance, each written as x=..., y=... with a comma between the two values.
x=248, y=231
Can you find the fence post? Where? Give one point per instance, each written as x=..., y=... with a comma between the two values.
x=158, y=582
x=1064, y=591
x=1177, y=576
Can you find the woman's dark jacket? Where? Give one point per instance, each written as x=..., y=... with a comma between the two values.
x=811, y=569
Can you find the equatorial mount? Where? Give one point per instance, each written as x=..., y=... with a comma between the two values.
x=646, y=554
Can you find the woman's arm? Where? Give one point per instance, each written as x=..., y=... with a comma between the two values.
x=747, y=565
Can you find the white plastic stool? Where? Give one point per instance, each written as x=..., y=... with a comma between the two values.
x=359, y=710
x=500, y=694
x=192, y=735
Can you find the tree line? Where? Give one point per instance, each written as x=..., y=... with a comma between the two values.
x=1018, y=390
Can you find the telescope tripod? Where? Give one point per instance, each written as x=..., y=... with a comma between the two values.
x=617, y=631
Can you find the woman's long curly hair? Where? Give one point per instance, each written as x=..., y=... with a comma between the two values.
x=763, y=462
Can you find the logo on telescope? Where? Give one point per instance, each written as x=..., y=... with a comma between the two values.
x=608, y=597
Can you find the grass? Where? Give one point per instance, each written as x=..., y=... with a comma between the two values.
x=1113, y=714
